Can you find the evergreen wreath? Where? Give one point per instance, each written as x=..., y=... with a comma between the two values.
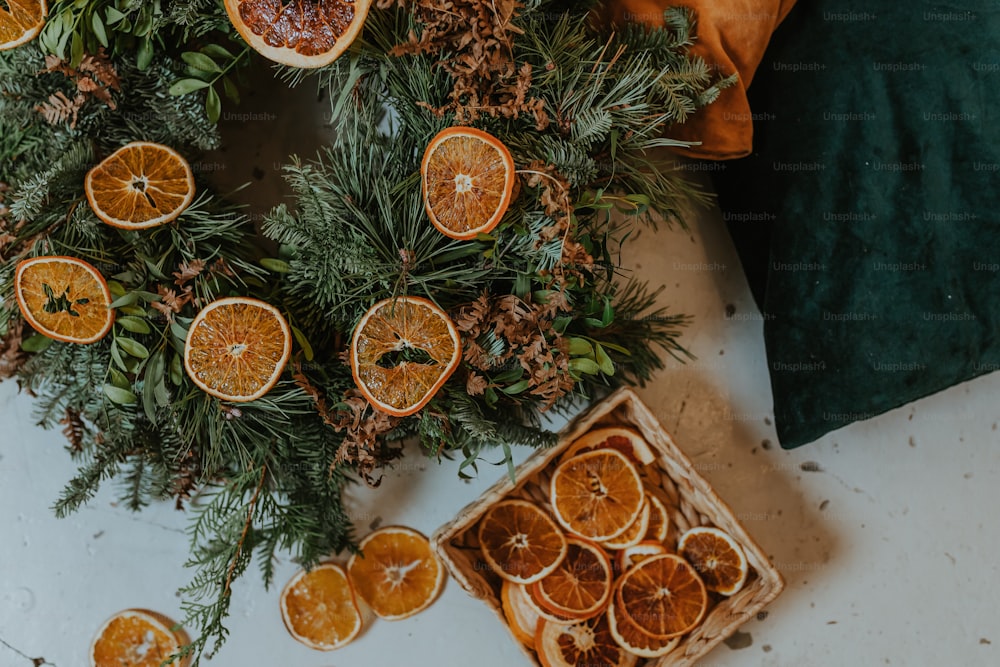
x=546, y=315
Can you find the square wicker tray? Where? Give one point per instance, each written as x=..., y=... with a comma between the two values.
x=690, y=500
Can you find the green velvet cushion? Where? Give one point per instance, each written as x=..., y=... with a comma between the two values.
x=867, y=218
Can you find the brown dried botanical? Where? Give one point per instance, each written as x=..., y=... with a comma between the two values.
x=12, y=357
x=94, y=78
x=555, y=197
x=74, y=429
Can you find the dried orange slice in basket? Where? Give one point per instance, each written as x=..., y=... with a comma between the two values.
x=580, y=586
x=717, y=557
x=237, y=348
x=64, y=298
x=663, y=596
x=520, y=542
x=586, y=643
x=403, y=350
x=597, y=494
x=21, y=21
x=626, y=440
x=634, y=533
x=140, y=185
x=659, y=519
x=468, y=181
x=634, y=555
x=138, y=638
x=302, y=33
x=635, y=641
x=520, y=614
x=397, y=573
x=319, y=608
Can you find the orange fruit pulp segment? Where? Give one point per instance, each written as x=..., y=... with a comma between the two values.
x=237, y=348
x=520, y=542
x=586, y=643
x=21, y=21
x=717, y=557
x=468, y=181
x=663, y=596
x=138, y=638
x=403, y=350
x=580, y=586
x=141, y=185
x=397, y=573
x=319, y=608
x=597, y=494
x=64, y=298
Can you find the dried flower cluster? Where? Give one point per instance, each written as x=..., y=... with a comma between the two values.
x=554, y=193
x=95, y=77
x=473, y=38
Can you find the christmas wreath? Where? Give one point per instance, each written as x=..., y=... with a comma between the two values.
x=536, y=312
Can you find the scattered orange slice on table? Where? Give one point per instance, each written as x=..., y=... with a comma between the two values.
x=634, y=555
x=630, y=637
x=468, y=181
x=627, y=441
x=21, y=21
x=302, y=33
x=319, y=608
x=659, y=519
x=237, y=348
x=663, y=596
x=586, y=643
x=520, y=542
x=64, y=298
x=137, y=638
x=597, y=494
x=397, y=573
x=403, y=350
x=520, y=614
x=140, y=185
x=717, y=557
x=634, y=533
x=580, y=586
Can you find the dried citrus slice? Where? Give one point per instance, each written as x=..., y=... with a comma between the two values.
x=520, y=542
x=397, y=573
x=717, y=557
x=597, y=494
x=659, y=519
x=580, y=586
x=628, y=441
x=402, y=351
x=237, y=348
x=634, y=555
x=21, y=21
x=520, y=614
x=634, y=533
x=138, y=638
x=586, y=643
x=64, y=298
x=303, y=33
x=468, y=181
x=140, y=185
x=663, y=596
x=319, y=608
x=632, y=639
x=543, y=612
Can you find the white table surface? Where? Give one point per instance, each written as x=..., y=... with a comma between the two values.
x=889, y=550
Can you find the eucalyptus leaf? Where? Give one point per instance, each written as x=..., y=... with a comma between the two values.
x=200, y=61
x=213, y=106
x=36, y=343
x=185, y=86
x=604, y=361
x=133, y=324
x=132, y=347
x=119, y=395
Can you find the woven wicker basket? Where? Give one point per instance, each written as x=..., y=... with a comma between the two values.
x=688, y=497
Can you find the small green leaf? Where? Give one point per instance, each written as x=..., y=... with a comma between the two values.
x=616, y=348
x=113, y=16
x=275, y=265
x=561, y=323
x=133, y=347
x=118, y=379
x=303, y=343
x=116, y=356
x=516, y=388
x=200, y=61
x=491, y=397
x=608, y=316
x=584, y=365
x=176, y=370
x=36, y=343
x=133, y=324
x=134, y=311
x=185, y=86
x=604, y=361
x=119, y=395
x=154, y=376
x=125, y=299
x=217, y=51
x=232, y=92
x=508, y=457
x=213, y=106
x=117, y=289
x=580, y=347
x=512, y=375
x=99, y=31
x=76, y=50
x=178, y=331
x=144, y=54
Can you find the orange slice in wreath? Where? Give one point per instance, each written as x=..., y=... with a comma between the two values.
x=300, y=33
x=634, y=533
x=597, y=494
x=140, y=185
x=580, y=586
x=520, y=614
x=237, y=348
x=625, y=440
x=663, y=596
x=402, y=351
x=20, y=21
x=717, y=557
x=468, y=181
x=64, y=298
x=397, y=573
x=635, y=641
x=581, y=644
x=319, y=608
x=520, y=542
x=138, y=638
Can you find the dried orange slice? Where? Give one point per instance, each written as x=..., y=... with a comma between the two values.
x=543, y=612
x=319, y=608
x=402, y=351
x=520, y=542
x=635, y=641
x=138, y=638
x=397, y=573
x=580, y=586
x=140, y=185
x=634, y=533
x=468, y=181
x=586, y=643
x=237, y=348
x=597, y=494
x=663, y=596
x=634, y=555
x=628, y=441
x=659, y=519
x=520, y=614
x=21, y=21
x=717, y=557
x=64, y=298
x=302, y=33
